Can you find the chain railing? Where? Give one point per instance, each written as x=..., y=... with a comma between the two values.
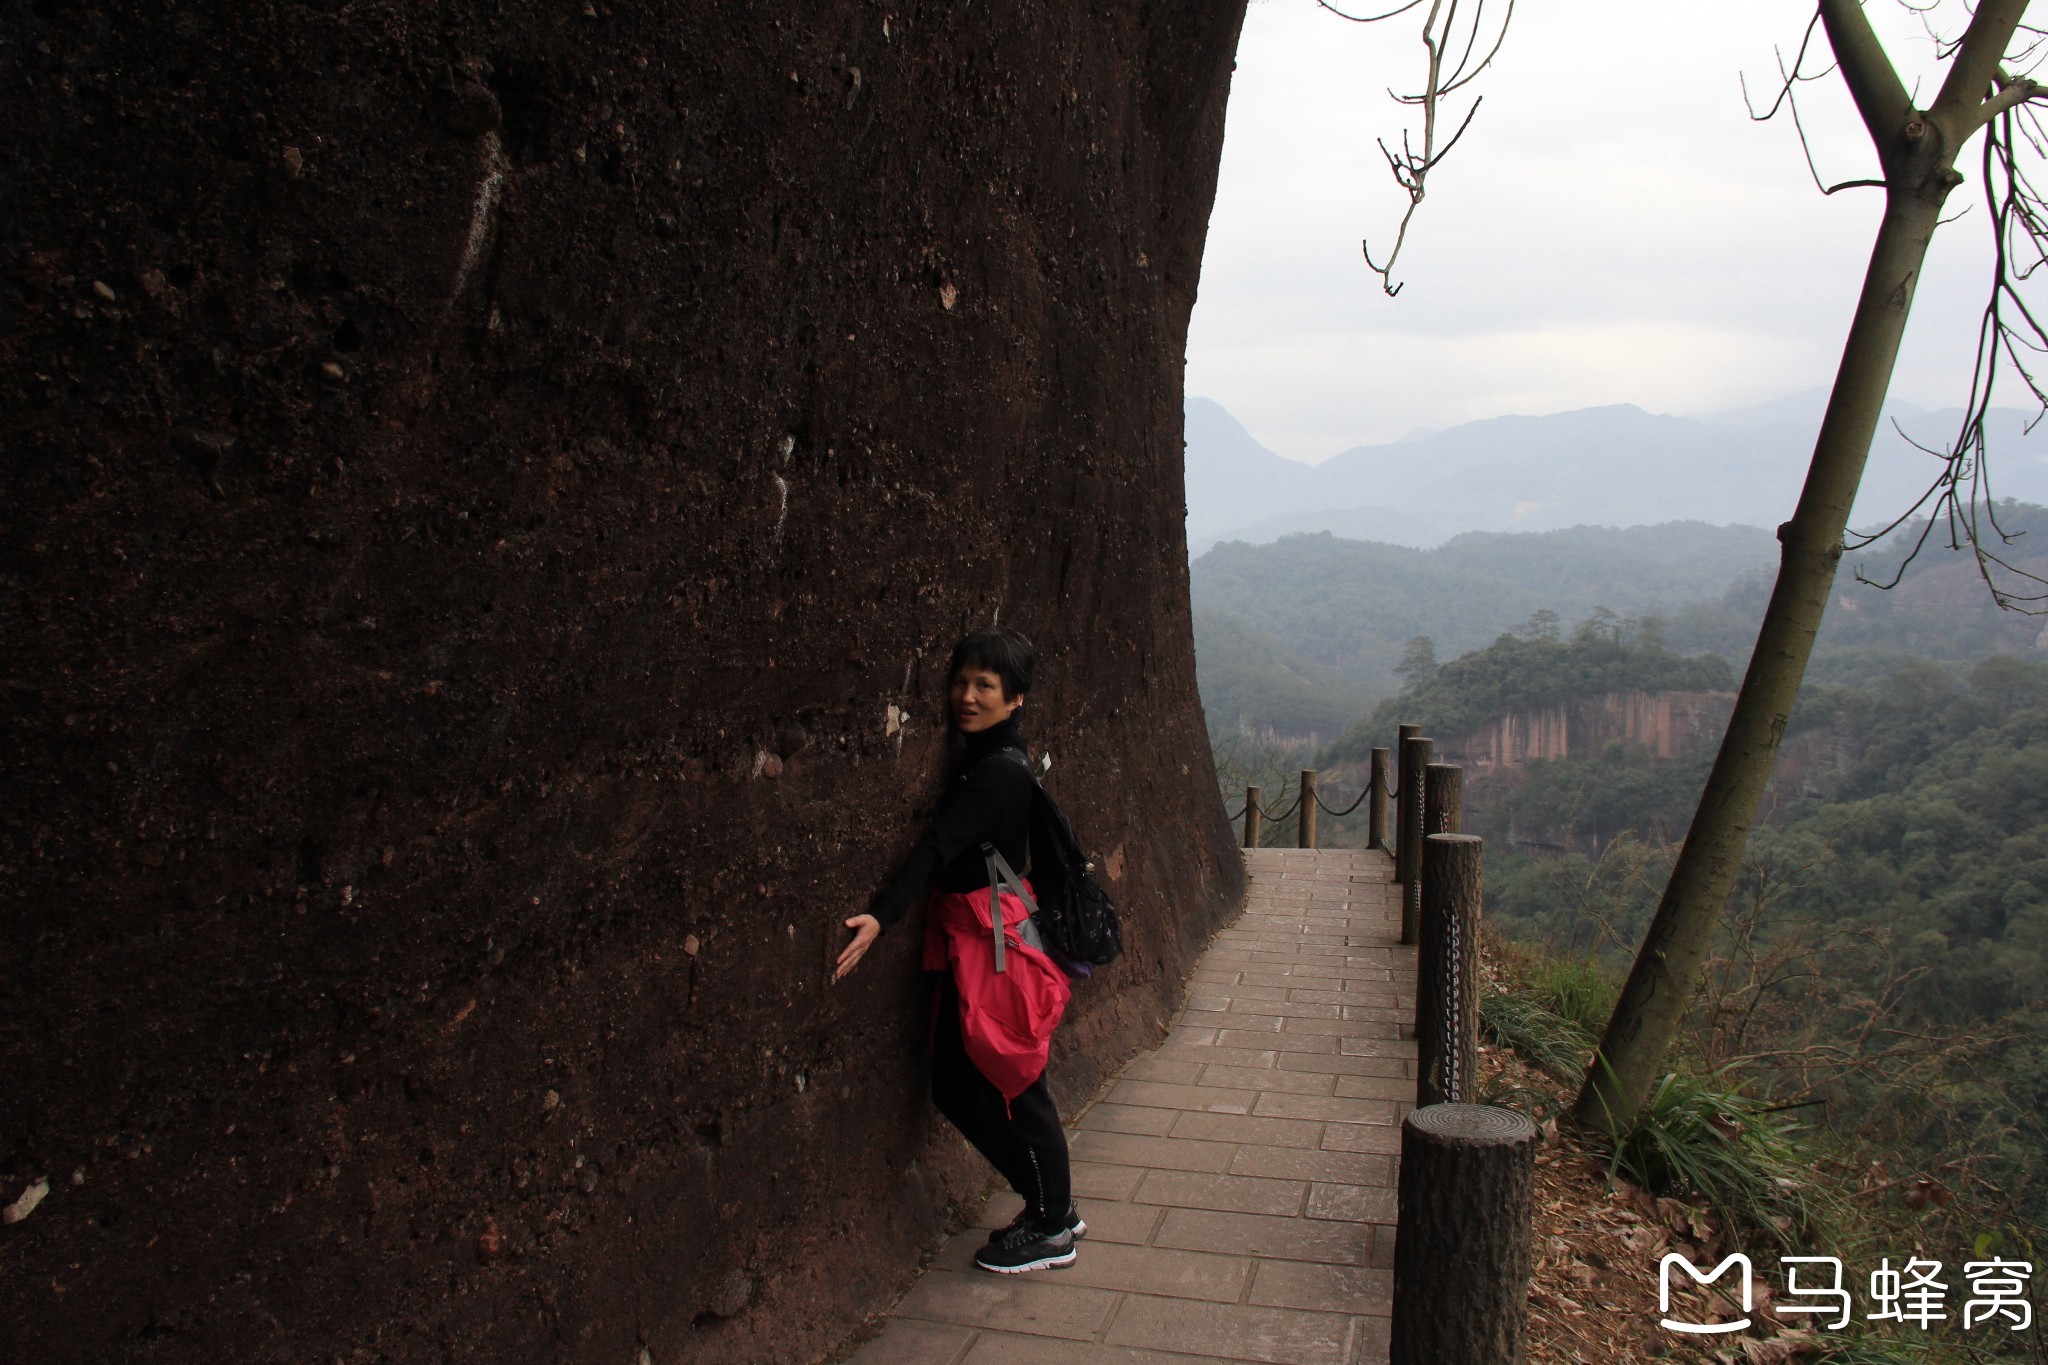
x=1309, y=800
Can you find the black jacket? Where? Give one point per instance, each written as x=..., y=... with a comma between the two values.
x=989, y=802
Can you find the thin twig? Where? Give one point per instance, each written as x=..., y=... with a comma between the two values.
x=1459, y=44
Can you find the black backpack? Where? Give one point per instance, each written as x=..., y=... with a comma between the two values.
x=1073, y=913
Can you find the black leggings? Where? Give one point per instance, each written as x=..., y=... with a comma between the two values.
x=1026, y=1144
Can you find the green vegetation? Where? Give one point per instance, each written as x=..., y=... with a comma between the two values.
x=1724, y=1147
x=1552, y=1011
x=1249, y=681
x=1885, y=956
x=1779, y=1177
x=1882, y=968
x=1339, y=616
x=1516, y=672
x=1291, y=634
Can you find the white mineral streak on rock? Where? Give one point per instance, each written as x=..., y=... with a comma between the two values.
x=782, y=512
x=26, y=1205
x=482, y=214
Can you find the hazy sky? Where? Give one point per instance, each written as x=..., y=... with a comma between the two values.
x=1613, y=229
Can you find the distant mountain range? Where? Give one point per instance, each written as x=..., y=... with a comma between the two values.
x=1611, y=466
x=1301, y=636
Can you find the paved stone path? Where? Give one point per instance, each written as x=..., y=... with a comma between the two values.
x=1238, y=1182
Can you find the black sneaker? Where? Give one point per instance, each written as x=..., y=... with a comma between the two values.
x=1023, y=1247
x=1074, y=1225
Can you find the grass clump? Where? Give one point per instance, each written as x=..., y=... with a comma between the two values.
x=1725, y=1147
x=1695, y=1139
x=1552, y=1011
x=1519, y=1020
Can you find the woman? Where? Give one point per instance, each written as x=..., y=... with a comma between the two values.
x=993, y=1020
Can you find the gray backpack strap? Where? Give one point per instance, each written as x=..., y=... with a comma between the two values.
x=1000, y=875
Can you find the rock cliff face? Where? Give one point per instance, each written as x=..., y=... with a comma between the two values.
x=1666, y=723
x=489, y=490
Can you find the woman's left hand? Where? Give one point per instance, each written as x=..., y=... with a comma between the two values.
x=866, y=929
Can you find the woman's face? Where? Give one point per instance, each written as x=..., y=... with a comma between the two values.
x=978, y=700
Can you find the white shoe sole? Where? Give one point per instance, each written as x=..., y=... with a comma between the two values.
x=1044, y=1263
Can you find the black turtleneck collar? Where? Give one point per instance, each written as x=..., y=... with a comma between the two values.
x=982, y=743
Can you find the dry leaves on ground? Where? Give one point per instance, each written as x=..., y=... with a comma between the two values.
x=1598, y=1244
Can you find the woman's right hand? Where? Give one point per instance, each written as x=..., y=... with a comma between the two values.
x=866, y=929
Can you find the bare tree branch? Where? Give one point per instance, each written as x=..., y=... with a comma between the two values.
x=1787, y=98
x=2009, y=96
x=1368, y=18
x=1460, y=42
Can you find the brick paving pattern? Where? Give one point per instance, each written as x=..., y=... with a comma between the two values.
x=1238, y=1182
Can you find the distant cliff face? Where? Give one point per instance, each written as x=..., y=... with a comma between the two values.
x=1665, y=723
x=490, y=489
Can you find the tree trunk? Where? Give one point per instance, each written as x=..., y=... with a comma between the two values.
x=1919, y=151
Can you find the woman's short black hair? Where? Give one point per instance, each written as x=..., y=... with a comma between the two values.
x=1004, y=653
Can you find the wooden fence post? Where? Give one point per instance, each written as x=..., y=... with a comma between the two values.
x=1252, y=816
x=1447, y=972
x=1461, y=1247
x=1443, y=799
x=1376, y=809
x=1400, y=795
x=1413, y=758
x=1308, y=808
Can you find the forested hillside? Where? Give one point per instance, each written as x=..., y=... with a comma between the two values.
x=1940, y=609
x=1886, y=953
x=1881, y=980
x=1343, y=611
x=1516, y=672
x=1249, y=680
x=1335, y=618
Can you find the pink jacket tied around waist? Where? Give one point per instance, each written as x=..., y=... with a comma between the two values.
x=1007, y=1017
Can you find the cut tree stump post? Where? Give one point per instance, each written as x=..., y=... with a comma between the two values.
x=1308, y=808
x=1252, y=816
x=1400, y=795
x=1461, y=1246
x=1414, y=757
x=1443, y=799
x=1447, y=971
x=1376, y=809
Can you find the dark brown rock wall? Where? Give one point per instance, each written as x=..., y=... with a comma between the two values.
x=477, y=479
